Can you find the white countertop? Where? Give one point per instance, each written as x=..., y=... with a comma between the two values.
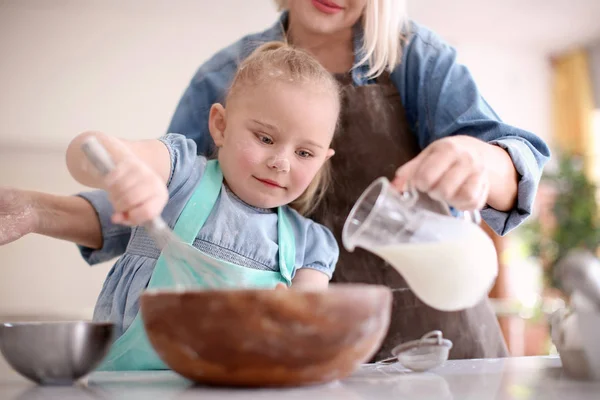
x=511, y=378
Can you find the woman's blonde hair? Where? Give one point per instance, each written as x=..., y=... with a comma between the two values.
x=281, y=62
x=382, y=21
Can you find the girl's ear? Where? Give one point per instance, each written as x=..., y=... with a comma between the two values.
x=330, y=153
x=217, y=123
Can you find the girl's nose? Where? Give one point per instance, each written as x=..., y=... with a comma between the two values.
x=278, y=163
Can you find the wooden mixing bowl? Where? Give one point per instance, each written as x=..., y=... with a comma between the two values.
x=261, y=338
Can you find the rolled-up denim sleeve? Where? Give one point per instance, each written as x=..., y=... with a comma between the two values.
x=528, y=164
x=114, y=237
x=442, y=99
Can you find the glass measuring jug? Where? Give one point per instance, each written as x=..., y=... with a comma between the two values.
x=449, y=262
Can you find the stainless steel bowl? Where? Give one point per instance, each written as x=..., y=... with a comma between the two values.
x=55, y=353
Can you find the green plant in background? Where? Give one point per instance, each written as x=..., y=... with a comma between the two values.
x=577, y=218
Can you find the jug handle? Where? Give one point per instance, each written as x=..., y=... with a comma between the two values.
x=411, y=196
x=472, y=215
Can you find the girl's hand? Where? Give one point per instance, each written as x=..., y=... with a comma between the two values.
x=17, y=215
x=137, y=186
x=452, y=169
x=136, y=191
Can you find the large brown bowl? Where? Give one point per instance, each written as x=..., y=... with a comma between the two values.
x=267, y=337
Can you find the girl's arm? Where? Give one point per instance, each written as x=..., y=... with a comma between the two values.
x=152, y=152
x=62, y=217
x=307, y=278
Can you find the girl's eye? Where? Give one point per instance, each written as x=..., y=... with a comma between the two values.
x=264, y=139
x=304, y=154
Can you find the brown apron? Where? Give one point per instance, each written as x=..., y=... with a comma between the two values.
x=373, y=140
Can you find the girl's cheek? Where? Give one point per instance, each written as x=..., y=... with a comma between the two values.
x=303, y=175
x=250, y=153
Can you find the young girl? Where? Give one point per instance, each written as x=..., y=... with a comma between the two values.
x=243, y=209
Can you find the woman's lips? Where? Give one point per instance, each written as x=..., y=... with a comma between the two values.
x=326, y=6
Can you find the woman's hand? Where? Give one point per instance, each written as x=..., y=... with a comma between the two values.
x=452, y=170
x=463, y=171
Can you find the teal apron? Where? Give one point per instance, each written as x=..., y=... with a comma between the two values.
x=132, y=351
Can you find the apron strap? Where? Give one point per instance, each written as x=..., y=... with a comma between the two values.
x=198, y=208
x=287, y=246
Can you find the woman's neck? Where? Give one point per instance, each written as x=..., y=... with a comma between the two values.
x=334, y=51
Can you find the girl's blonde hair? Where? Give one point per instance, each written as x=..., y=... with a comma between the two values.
x=278, y=61
x=382, y=21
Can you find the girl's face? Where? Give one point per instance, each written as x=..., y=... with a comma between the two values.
x=326, y=16
x=273, y=138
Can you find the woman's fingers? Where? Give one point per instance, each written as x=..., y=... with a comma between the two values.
x=449, y=170
x=472, y=194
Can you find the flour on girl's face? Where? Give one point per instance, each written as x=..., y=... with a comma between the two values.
x=276, y=120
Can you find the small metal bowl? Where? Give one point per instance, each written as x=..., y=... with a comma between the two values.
x=55, y=353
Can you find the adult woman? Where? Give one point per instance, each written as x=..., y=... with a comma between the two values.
x=407, y=104
x=400, y=96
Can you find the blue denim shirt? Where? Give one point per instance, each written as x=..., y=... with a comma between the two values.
x=439, y=95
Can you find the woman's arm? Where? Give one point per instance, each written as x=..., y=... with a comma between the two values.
x=470, y=157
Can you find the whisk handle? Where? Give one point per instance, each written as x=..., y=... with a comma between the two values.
x=97, y=155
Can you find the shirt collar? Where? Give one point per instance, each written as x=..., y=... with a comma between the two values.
x=277, y=33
